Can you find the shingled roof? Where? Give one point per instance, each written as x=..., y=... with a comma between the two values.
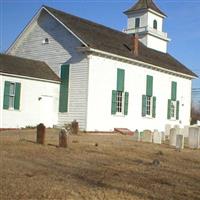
x=144, y=5
x=26, y=67
x=112, y=41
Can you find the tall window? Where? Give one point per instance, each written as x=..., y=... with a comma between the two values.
x=173, y=110
x=137, y=22
x=149, y=106
x=148, y=100
x=119, y=96
x=173, y=103
x=120, y=101
x=155, y=24
x=11, y=95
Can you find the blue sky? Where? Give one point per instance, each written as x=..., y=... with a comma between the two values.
x=182, y=23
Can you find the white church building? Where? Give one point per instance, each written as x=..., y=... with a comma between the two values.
x=106, y=79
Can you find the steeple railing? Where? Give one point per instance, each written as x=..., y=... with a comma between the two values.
x=146, y=29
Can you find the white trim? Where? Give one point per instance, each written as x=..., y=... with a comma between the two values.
x=65, y=26
x=136, y=61
x=28, y=77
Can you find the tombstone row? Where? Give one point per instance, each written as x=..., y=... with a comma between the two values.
x=175, y=136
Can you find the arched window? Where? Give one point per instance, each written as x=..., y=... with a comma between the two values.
x=155, y=24
x=137, y=22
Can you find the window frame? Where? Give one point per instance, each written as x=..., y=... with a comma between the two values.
x=149, y=106
x=120, y=104
x=12, y=95
x=155, y=24
x=173, y=108
x=137, y=22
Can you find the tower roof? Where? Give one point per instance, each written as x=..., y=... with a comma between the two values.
x=143, y=5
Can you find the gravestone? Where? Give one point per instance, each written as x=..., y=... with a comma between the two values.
x=74, y=127
x=163, y=136
x=167, y=129
x=147, y=136
x=63, y=138
x=186, y=131
x=157, y=137
x=194, y=137
x=172, y=136
x=136, y=136
x=179, y=142
x=41, y=133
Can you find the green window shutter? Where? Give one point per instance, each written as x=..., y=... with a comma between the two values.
x=144, y=105
x=173, y=90
x=6, y=95
x=149, y=86
x=126, y=103
x=154, y=107
x=177, y=109
x=120, y=80
x=17, y=96
x=169, y=109
x=64, y=87
x=114, y=102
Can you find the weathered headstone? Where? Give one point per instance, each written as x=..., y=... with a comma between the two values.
x=186, y=131
x=179, y=142
x=147, y=136
x=194, y=137
x=172, y=136
x=41, y=134
x=167, y=129
x=63, y=138
x=163, y=136
x=74, y=127
x=136, y=136
x=157, y=137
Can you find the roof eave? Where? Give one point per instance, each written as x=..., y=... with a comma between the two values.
x=30, y=77
x=88, y=49
x=129, y=11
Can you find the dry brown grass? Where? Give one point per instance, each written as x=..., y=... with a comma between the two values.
x=95, y=167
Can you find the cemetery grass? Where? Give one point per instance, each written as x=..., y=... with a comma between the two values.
x=95, y=167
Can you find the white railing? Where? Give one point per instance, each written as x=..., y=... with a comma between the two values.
x=146, y=29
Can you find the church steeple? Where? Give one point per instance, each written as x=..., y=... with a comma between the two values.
x=146, y=19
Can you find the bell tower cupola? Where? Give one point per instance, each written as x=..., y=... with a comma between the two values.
x=146, y=20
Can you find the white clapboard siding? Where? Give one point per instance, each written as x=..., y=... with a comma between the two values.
x=61, y=49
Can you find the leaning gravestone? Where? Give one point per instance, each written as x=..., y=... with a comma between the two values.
x=41, y=134
x=179, y=142
x=167, y=129
x=172, y=136
x=136, y=136
x=147, y=136
x=157, y=138
x=194, y=137
x=63, y=138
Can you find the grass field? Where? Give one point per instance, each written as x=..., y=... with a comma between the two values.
x=95, y=167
